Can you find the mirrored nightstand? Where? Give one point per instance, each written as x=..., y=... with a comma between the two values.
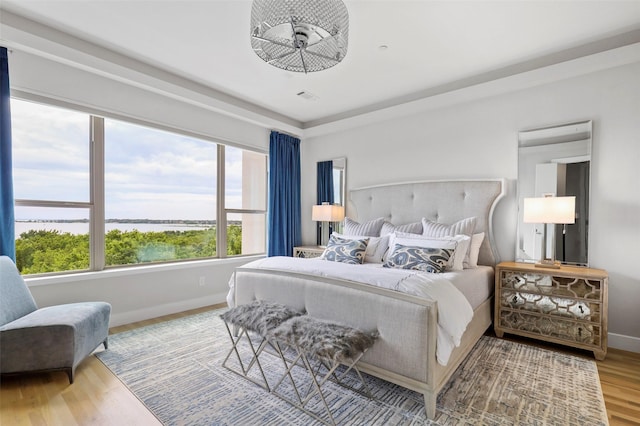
x=308, y=252
x=567, y=305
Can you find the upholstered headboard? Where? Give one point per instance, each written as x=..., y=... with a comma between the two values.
x=440, y=201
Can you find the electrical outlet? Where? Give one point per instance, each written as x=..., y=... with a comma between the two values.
x=201, y=282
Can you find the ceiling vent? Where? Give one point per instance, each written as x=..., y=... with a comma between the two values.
x=307, y=95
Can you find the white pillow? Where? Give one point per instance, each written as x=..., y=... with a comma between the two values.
x=376, y=248
x=462, y=249
x=459, y=243
x=464, y=227
x=368, y=229
x=390, y=228
x=474, y=250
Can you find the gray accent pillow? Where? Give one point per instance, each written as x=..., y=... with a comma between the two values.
x=434, y=229
x=411, y=228
x=345, y=250
x=371, y=228
x=425, y=259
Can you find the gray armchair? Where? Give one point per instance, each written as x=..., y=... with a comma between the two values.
x=51, y=338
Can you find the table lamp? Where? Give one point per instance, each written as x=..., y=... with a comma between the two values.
x=327, y=213
x=549, y=210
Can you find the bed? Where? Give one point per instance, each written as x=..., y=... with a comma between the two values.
x=410, y=325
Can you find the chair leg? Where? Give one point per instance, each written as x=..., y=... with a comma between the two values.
x=106, y=343
x=69, y=372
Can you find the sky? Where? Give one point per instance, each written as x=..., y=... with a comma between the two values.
x=148, y=173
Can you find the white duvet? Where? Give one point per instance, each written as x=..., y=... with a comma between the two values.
x=454, y=311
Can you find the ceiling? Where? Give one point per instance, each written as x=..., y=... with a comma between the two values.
x=432, y=46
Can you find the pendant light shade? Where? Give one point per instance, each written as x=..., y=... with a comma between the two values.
x=298, y=35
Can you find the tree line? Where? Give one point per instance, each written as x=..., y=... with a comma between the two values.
x=39, y=251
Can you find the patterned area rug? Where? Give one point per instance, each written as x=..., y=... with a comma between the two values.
x=175, y=369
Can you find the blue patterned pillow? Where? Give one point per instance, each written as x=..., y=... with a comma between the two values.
x=345, y=250
x=425, y=259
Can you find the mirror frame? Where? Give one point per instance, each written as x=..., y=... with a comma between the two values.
x=562, y=144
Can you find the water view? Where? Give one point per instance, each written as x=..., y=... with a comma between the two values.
x=79, y=228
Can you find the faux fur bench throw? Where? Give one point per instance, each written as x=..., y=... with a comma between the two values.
x=324, y=339
x=259, y=316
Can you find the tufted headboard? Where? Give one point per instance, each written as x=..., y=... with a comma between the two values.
x=444, y=201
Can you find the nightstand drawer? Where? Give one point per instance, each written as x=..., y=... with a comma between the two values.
x=546, y=284
x=555, y=306
x=565, y=329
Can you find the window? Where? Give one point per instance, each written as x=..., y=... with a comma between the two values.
x=160, y=195
x=160, y=198
x=51, y=179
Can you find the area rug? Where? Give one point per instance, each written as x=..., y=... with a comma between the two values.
x=175, y=369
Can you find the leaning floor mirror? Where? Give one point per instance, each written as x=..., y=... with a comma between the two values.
x=555, y=161
x=331, y=188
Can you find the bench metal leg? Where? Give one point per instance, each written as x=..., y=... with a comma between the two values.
x=255, y=353
x=317, y=380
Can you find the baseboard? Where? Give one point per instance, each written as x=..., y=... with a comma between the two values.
x=167, y=309
x=625, y=343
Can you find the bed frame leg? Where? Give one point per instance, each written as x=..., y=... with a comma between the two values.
x=430, y=404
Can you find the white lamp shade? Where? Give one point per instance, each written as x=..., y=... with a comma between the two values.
x=327, y=213
x=550, y=210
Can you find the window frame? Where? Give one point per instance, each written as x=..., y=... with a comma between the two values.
x=96, y=203
x=226, y=211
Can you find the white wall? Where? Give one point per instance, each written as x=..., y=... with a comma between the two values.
x=479, y=140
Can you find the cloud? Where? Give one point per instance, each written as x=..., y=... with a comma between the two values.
x=50, y=148
x=149, y=173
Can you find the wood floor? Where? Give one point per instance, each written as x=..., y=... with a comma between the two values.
x=97, y=397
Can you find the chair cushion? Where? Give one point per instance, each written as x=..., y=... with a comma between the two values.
x=53, y=337
x=324, y=339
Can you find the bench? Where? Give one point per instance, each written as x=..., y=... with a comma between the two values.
x=320, y=347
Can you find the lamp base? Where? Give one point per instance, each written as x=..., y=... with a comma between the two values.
x=548, y=263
